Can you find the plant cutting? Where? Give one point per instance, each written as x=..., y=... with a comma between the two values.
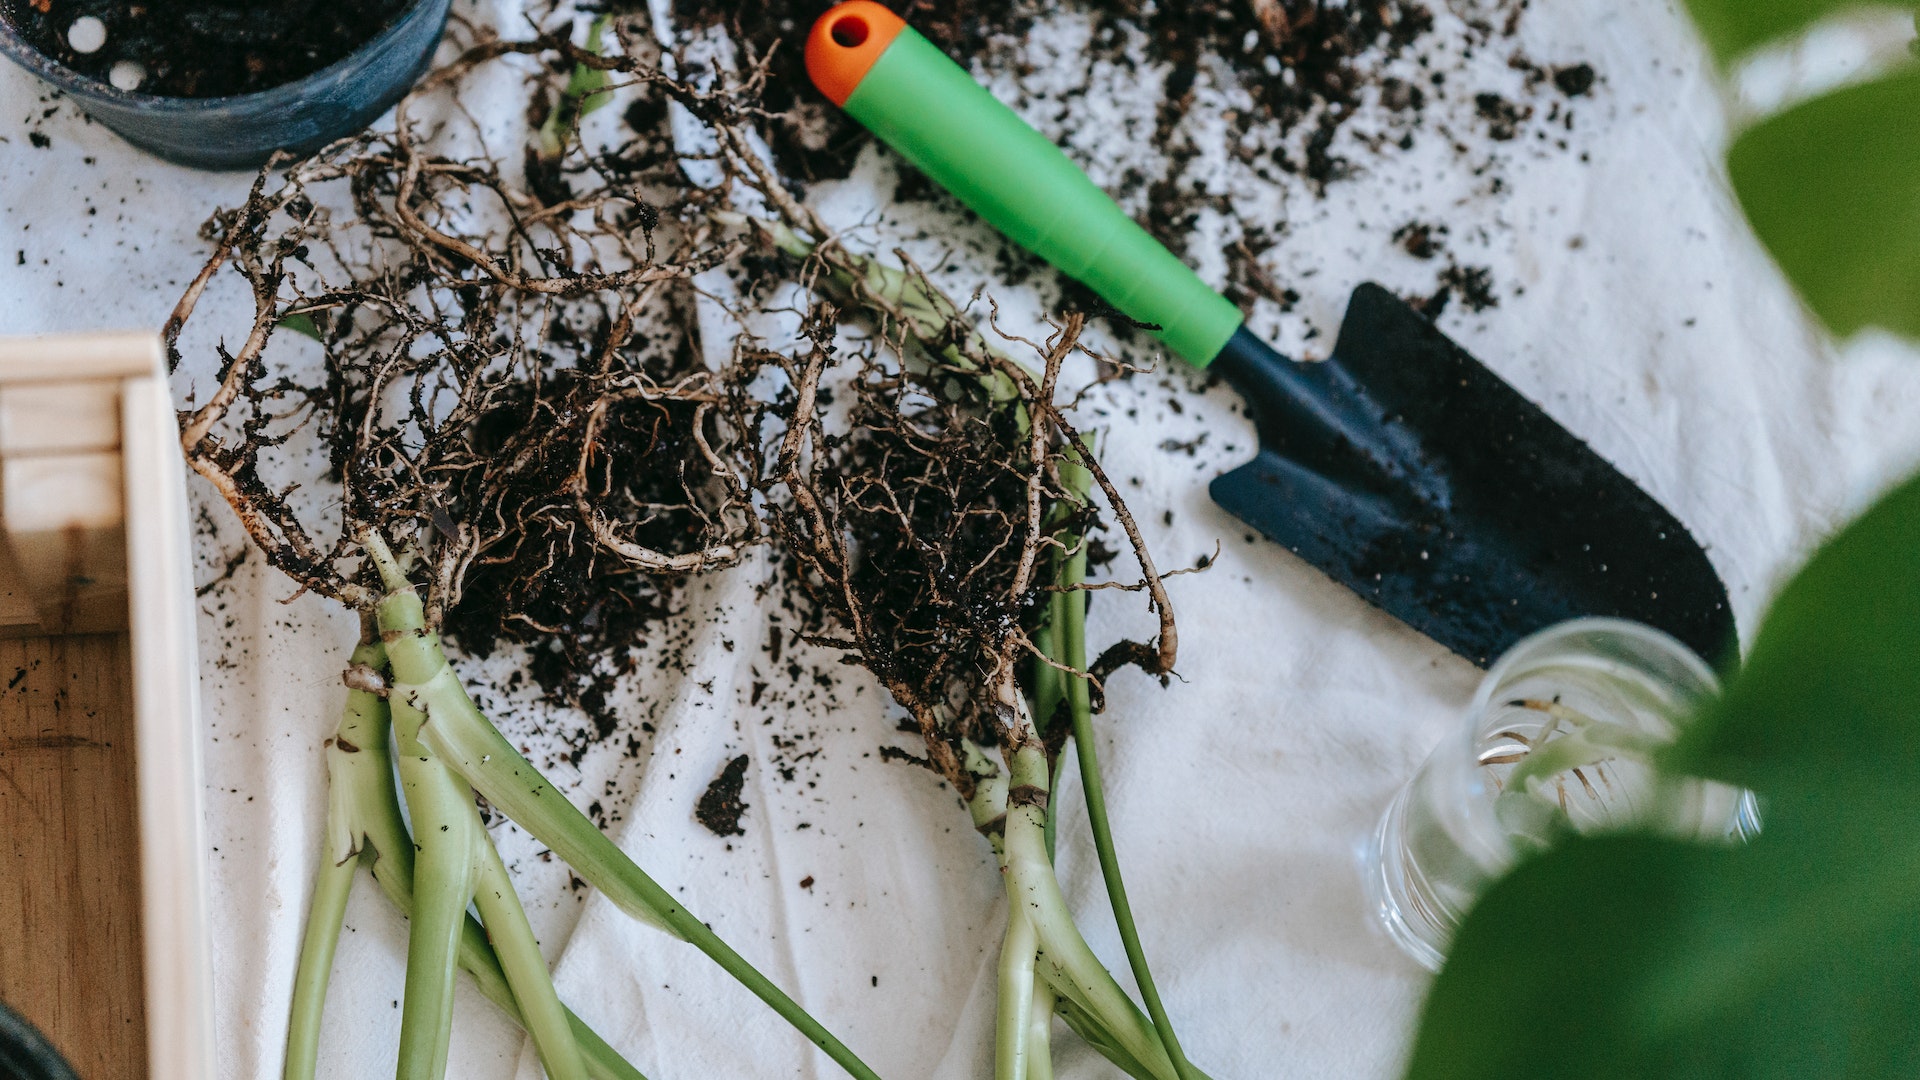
x=946, y=536
x=504, y=445
x=1795, y=955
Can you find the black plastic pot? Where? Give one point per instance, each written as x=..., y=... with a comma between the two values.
x=25, y=1054
x=242, y=131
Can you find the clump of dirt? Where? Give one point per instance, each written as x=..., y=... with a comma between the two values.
x=201, y=48
x=1420, y=239
x=720, y=807
x=1574, y=81
x=921, y=505
x=509, y=396
x=925, y=530
x=567, y=459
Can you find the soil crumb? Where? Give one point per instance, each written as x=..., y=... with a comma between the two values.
x=1574, y=81
x=720, y=808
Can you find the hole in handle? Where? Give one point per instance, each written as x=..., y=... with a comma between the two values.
x=849, y=32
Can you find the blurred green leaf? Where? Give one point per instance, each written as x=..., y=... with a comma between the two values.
x=585, y=91
x=1830, y=698
x=586, y=82
x=1832, y=187
x=301, y=323
x=1733, y=27
x=1796, y=957
x=1631, y=958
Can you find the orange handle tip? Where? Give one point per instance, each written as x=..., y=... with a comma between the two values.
x=845, y=43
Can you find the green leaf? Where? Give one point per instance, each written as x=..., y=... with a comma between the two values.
x=586, y=82
x=1733, y=27
x=1829, y=703
x=301, y=323
x=1796, y=957
x=1631, y=958
x=1832, y=187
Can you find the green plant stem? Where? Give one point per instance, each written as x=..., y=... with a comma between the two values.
x=525, y=969
x=988, y=804
x=907, y=303
x=585, y=91
x=445, y=873
x=1014, y=1019
x=365, y=828
x=1049, y=690
x=456, y=731
x=1093, y=1034
x=1077, y=972
x=477, y=958
x=1040, y=1031
x=1071, y=608
x=363, y=720
x=331, y=884
x=456, y=864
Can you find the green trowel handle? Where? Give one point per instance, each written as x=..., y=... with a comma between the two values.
x=936, y=116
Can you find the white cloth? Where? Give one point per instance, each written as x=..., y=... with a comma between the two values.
x=1240, y=793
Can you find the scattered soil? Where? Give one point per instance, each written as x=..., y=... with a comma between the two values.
x=1420, y=239
x=1471, y=285
x=1310, y=62
x=1335, y=90
x=206, y=48
x=1503, y=117
x=921, y=494
x=720, y=807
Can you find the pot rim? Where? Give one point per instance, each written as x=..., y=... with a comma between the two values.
x=42, y=1060
x=61, y=77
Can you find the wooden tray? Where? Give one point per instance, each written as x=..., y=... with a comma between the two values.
x=103, y=929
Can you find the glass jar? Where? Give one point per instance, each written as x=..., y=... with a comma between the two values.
x=1561, y=738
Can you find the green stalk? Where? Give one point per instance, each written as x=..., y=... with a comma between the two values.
x=585, y=92
x=1074, y=655
x=363, y=720
x=445, y=873
x=924, y=313
x=1093, y=1034
x=1049, y=690
x=477, y=958
x=365, y=827
x=1040, y=1031
x=330, y=888
x=526, y=970
x=1077, y=972
x=1014, y=1018
x=988, y=805
x=456, y=731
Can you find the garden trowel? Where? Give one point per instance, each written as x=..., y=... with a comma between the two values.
x=1400, y=466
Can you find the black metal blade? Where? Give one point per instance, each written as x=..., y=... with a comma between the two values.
x=1410, y=473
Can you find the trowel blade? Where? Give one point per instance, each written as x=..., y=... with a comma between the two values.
x=1412, y=474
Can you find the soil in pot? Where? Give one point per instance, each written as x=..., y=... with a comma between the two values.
x=199, y=48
